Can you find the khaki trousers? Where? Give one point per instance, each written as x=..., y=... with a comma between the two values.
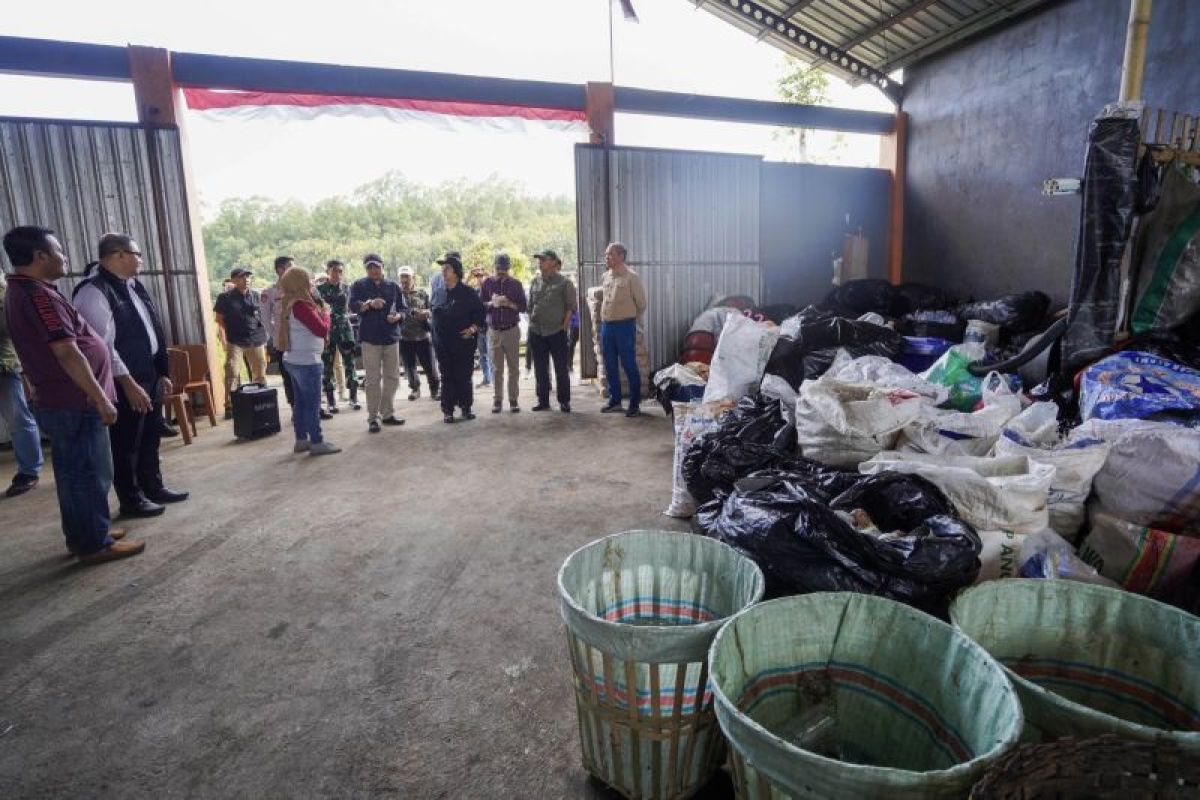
x=256, y=357
x=504, y=347
x=381, y=363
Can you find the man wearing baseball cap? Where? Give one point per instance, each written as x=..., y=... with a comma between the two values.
x=379, y=304
x=552, y=302
x=504, y=298
x=457, y=319
x=414, y=337
x=242, y=332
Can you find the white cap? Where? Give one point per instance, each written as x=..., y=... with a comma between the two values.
x=406, y=270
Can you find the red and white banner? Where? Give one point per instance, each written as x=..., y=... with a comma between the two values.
x=444, y=114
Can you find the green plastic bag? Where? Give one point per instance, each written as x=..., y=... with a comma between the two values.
x=966, y=391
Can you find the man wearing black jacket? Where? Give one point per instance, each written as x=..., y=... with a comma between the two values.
x=458, y=317
x=116, y=304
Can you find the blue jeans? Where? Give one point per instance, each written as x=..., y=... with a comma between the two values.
x=22, y=427
x=485, y=360
x=306, y=400
x=83, y=473
x=618, y=340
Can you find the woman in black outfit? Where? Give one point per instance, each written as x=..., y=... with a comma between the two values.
x=456, y=321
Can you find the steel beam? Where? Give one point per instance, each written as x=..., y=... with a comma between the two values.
x=732, y=109
x=267, y=75
x=63, y=59
x=888, y=23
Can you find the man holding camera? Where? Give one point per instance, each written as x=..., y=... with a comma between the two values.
x=504, y=298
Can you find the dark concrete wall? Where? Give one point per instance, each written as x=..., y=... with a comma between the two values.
x=803, y=218
x=991, y=120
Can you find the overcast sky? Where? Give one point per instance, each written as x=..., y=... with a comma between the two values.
x=675, y=47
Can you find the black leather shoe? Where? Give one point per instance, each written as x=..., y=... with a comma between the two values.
x=142, y=508
x=21, y=484
x=542, y=407
x=167, y=430
x=448, y=419
x=325, y=414
x=373, y=427
x=564, y=408
x=612, y=408
x=165, y=495
x=393, y=420
x=467, y=415
x=633, y=411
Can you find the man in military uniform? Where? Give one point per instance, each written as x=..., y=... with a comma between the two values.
x=341, y=335
x=415, y=344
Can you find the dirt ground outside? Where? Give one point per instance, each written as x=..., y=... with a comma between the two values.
x=382, y=622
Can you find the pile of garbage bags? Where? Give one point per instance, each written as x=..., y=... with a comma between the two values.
x=816, y=450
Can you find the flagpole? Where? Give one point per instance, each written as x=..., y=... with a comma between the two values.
x=612, y=77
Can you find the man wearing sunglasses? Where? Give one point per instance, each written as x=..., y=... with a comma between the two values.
x=121, y=311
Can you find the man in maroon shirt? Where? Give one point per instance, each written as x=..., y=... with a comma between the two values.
x=504, y=298
x=70, y=370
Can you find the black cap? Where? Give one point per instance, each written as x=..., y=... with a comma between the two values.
x=372, y=258
x=547, y=254
x=237, y=272
x=454, y=258
x=502, y=261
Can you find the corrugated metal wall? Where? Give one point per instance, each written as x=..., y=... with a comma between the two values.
x=691, y=224
x=86, y=179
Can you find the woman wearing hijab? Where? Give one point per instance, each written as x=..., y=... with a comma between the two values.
x=303, y=326
x=457, y=319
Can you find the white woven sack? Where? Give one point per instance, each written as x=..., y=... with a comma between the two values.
x=740, y=358
x=842, y=424
x=1008, y=494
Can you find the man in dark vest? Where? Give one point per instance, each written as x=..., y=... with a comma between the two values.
x=119, y=308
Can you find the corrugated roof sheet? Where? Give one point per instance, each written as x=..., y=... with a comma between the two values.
x=865, y=40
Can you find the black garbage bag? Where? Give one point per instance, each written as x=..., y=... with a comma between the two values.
x=895, y=501
x=811, y=351
x=910, y=297
x=1015, y=313
x=802, y=545
x=855, y=298
x=777, y=312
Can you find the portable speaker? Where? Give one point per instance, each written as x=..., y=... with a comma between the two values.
x=255, y=411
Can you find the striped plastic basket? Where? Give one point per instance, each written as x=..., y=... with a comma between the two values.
x=1089, y=660
x=840, y=695
x=641, y=609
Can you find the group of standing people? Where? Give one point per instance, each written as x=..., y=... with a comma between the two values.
x=74, y=356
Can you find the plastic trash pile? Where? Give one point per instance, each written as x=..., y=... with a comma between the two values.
x=840, y=449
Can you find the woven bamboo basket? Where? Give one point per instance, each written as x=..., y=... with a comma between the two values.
x=1104, y=768
x=641, y=609
x=843, y=696
x=1089, y=660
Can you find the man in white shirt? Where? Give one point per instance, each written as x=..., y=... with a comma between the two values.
x=120, y=309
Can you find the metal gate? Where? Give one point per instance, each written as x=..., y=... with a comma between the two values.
x=690, y=222
x=85, y=179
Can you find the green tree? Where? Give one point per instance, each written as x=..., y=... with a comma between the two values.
x=804, y=84
x=404, y=222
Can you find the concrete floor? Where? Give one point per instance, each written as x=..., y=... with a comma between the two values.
x=381, y=622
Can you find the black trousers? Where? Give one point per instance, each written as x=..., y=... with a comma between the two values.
x=411, y=353
x=134, y=439
x=574, y=342
x=277, y=357
x=457, y=361
x=546, y=349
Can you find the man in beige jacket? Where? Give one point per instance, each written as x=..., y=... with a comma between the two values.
x=624, y=300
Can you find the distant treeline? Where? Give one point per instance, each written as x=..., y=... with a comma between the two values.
x=404, y=222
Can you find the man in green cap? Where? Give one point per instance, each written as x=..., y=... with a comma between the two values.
x=341, y=336
x=552, y=302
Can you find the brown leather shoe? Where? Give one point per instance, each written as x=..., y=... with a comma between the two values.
x=114, y=551
x=117, y=534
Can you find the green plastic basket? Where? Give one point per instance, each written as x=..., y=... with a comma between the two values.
x=641, y=610
x=1089, y=660
x=840, y=695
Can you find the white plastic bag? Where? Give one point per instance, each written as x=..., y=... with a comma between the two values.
x=1044, y=555
x=883, y=372
x=691, y=421
x=948, y=432
x=1034, y=434
x=842, y=424
x=740, y=358
x=990, y=493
